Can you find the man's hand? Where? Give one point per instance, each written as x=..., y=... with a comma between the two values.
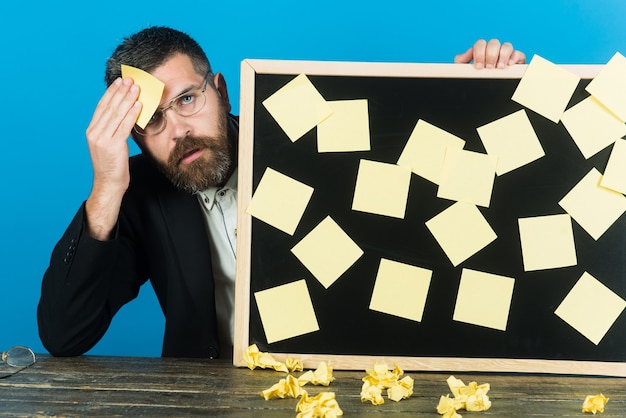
x=491, y=54
x=110, y=126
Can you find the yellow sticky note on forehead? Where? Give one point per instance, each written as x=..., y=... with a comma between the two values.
x=151, y=90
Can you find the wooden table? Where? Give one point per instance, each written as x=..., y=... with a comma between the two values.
x=122, y=386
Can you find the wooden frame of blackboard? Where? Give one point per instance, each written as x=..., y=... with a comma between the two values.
x=251, y=72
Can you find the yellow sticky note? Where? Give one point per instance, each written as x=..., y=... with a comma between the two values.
x=484, y=299
x=593, y=207
x=467, y=176
x=461, y=231
x=286, y=311
x=547, y=242
x=512, y=140
x=347, y=129
x=592, y=126
x=151, y=90
x=401, y=290
x=270, y=205
x=297, y=107
x=546, y=88
x=425, y=151
x=327, y=251
x=609, y=85
x=614, y=177
x=382, y=188
x=591, y=308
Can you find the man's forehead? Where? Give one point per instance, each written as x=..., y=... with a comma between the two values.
x=178, y=75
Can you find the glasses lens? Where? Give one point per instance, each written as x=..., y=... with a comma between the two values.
x=155, y=125
x=20, y=357
x=190, y=103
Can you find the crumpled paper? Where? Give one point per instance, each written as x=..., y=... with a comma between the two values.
x=380, y=378
x=288, y=387
x=448, y=406
x=322, y=405
x=472, y=397
x=595, y=403
x=294, y=365
x=323, y=375
x=291, y=387
x=255, y=358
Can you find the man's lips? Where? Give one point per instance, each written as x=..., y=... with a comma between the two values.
x=191, y=156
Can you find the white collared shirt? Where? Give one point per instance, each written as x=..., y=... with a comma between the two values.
x=219, y=206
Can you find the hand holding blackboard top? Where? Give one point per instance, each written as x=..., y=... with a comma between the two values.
x=491, y=54
x=167, y=215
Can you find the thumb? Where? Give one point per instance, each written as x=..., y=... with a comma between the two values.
x=465, y=57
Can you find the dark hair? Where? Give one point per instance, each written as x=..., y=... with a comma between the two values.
x=150, y=48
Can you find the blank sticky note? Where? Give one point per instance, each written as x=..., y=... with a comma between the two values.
x=150, y=92
x=425, y=151
x=484, y=299
x=286, y=311
x=609, y=85
x=546, y=88
x=280, y=201
x=297, y=107
x=347, y=129
x=467, y=176
x=592, y=126
x=547, y=242
x=382, y=188
x=461, y=231
x=591, y=308
x=593, y=207
x=614, y=177
x=327, y=251
x=401, y=290
x=512, y=140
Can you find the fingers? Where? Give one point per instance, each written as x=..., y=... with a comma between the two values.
x=480, y=50
x=517, y=57
x=110, y=126
x=492, y=54
x=493, y=51
x=465, y=57
x=116, y=113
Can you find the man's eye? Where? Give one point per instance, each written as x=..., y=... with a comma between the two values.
x=156, y=118
x=186, y=99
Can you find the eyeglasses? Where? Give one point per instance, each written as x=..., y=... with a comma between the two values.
x=187, y=104
x=18, y=357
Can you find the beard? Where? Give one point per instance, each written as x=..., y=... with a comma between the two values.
x=210, y=169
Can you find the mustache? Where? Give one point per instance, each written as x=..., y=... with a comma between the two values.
x=191, y=143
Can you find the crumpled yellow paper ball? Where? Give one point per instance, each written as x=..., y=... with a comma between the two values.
x=254, y=358
x=322, y=405
x=323, y=375
x=380, y=378
x=595, y=403
x=288, y=387
x=294, y=365
x=472, y=397
x=448, y=406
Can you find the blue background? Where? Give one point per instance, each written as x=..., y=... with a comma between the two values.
x=52, y=66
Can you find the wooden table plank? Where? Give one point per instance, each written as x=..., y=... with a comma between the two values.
x=121, y=386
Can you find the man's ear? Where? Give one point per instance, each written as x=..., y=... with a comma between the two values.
x=220, y=85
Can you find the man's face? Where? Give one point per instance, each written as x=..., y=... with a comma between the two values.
x=194, y=152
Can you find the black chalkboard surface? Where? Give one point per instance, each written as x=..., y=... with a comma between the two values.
x=458, y=99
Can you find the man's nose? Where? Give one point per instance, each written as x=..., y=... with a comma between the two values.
x=179, y=125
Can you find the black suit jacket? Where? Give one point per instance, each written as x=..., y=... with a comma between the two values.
x=161, y=237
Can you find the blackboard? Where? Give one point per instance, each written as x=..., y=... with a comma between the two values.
x=459, y=99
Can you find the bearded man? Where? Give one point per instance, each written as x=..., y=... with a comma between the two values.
x=167, y=215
